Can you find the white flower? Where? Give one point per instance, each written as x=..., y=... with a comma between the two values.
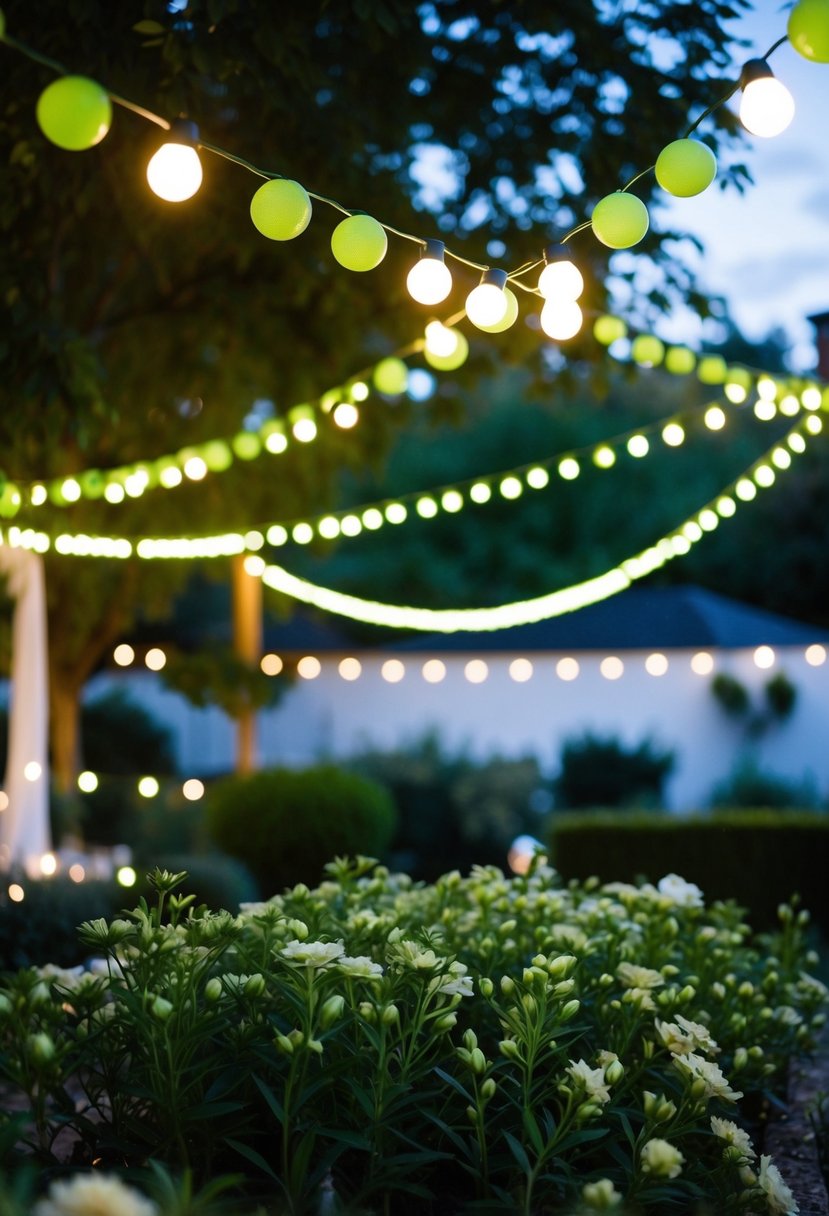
x=712, y=1082
x=684, y=1036
x=570, y=935
x=787, y=1015
x=94, y=1195
x=678, y=891
x=360, y=966
x=725, y=1130
x=778, y=1196
x=661, y=1160
x=641, y=998
x=591, y=1080
x=601, y=1194
x=313, y=954
x=410, y=954
x=634, y=976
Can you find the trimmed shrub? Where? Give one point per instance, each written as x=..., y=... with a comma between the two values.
x=750, y=786
x=284, y=825
x=600, y=772
x=759, y=857
x=120, y=736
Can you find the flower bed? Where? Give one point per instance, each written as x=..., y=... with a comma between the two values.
x=374, y=1046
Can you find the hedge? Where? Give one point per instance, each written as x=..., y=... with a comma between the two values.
x=757, y=857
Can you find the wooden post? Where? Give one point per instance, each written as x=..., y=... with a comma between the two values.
x=247, y=644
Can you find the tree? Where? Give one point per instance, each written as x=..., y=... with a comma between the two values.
x=134, y=327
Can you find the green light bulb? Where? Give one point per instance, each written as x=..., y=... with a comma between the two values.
x=808, y=29
x=391, y=377
x=647, y=349
x=712, y=369
x=609, y=329
x=448, y=363
x=92, y=483
x=9, y=500
x=359, y=243
x=74, y=112
x=217, y=455
x=281, y=209
x=680, y=360
x=686, y=167
x=246, y=445
x=620, y=220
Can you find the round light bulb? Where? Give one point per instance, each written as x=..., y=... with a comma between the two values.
x=429, y=280
x=561, y=279
x=766, y=107
x=175, y=172
x=486, y=304
x=561, y=319
x=440, y=339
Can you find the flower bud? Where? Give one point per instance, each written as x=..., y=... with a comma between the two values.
x=299, y=929
x=486, y=987
x=686, y=994
x=161, y=1008
x=300, y=891
x=506, y=927
x=614, y=1072
x=569, y=1010
x=331, y=1010
x=284, y=1044
x=529, y=1002
x=472, y=1114
x=507, y=985
x=606, y=980
x=560, y=966
x=740, y=1058
x=477, y=1062
x=488, y=1089
x=756, y=1052
x=718, y=991
x=41, y=1047
x=510, y=1049
x=315, y=1045
x=367, y=1012
x=296, y=1037
x=745, y=990
x=563, y=988
x=5, y=1005
x=470, y=1040
x=213, y=989
x=255, y=985
x=390, y=1015
x=588, y=1111
x=446, y=1022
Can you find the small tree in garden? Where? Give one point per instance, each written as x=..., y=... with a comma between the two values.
x=603, y=772
x=136, y=328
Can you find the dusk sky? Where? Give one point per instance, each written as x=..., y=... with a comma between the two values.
x=767, y=251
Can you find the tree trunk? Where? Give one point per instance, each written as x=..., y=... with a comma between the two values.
x=247, y=643
x=64, y=730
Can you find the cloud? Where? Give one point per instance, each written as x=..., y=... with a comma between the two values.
x=817, y=205
x=770, y=275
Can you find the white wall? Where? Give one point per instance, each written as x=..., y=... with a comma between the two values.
x=332, y=717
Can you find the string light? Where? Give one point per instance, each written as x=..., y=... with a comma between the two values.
x=560, y=278
x=766, y=106
x=486, y=304
x=175, y=171
x=429, y=280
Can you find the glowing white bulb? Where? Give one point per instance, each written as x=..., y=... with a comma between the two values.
x=561, y=279
x=486, y=304
x=440, y=339
x=175, y=172
x=429, y=280
x=766, y=107
x=561, y=319
x=346, y=415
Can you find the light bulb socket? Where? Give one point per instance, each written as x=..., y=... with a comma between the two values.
x=183, y=131
x=556, y=253
x=433, y=249
x=498, y=278
x=755, y=69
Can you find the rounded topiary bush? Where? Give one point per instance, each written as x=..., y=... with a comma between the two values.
x=285, y=825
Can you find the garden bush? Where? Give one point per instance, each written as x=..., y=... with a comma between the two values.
x=758, y=857
x=284, y=824
x=43, y=928
x=374, y=1046
x=453, y=810
x=595, y=771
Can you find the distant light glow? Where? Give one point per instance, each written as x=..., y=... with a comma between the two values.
x=480, y=493
x=148, y=787
x=815, y=655
x=656, y=664
x=123, y=654
x=271, y=664
x=673, y=434
x=511, y=487
x=32, y=771
x=702, y=663
x=392, y=671
x=16, y=893
x=126, y=876
x=521, y=670
x=569, y=468
x=567, y=669
x=714, y=418
x=538, y=478
x=193, y=789
x=638, y=446
x=346, y=415
x=476, y=671
x=434, y=671
x=308, y=667
x=302, y=534
x=48, y=865
x=87, y=782
x=350, y=669
x=155, y=659
x=611, y=667
x=764, y=657
x=396, y=513
x=76, y=872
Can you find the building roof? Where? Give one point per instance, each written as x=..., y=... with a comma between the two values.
x=641, y=618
